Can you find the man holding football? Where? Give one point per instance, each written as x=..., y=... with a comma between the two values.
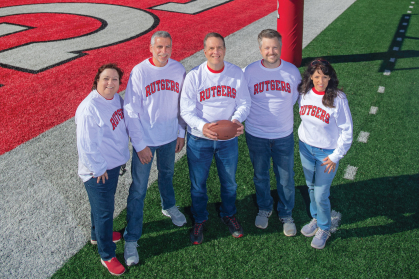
x=272, y=83
x=215, y=90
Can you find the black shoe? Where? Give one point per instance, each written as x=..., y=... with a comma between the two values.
x=233, y=225
x=197, y=233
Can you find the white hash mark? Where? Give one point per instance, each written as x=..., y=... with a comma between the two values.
x=336, y=217
x=373, y=110
x=350, y=172
x=363, y=137
x=381, y=89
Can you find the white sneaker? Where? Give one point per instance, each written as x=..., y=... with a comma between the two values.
x=289, y=226
x=131, y=253
x=177, y=217
x=310, y=229
x=262, y=219
x=319, y=240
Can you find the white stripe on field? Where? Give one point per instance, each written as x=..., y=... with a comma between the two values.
x=363, y=137
x=336, y=217
x=350, y=172
x=373, y=110
x=381, y=89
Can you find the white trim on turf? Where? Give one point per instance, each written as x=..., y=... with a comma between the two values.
x=381, y=89
x=363, y=137
x=373, y=110
x=336, y=217
x=387, y=72
x=350, y=172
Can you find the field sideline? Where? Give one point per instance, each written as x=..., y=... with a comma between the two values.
x=378, y=237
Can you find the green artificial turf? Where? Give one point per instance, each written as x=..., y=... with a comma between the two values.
x=378, y=236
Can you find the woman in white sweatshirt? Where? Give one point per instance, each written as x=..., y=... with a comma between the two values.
x=325, y=136
x=102, y=144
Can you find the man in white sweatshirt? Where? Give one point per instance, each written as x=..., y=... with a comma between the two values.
x=151, y=109
x=272, y=83
x=215, y=90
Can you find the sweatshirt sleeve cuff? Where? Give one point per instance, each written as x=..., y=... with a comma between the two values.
x=139, y=146
x=100, y=171
x=201, y=126
x=181, y=132
x=334, y=158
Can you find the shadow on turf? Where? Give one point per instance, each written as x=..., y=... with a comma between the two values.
x=394, y=198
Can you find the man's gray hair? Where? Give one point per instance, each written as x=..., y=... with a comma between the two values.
x=160, y=34
x=270, y=34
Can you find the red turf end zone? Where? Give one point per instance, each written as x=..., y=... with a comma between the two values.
x=34, y=102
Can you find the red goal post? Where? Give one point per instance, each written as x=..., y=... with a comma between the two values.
x=290, y=26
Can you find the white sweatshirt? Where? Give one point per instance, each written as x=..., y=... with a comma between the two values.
x=323, y=127
x=102, y=139
x=273, y=93
x=209, y=97
x=151, y=104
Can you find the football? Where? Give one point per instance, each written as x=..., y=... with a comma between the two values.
x=225, y=129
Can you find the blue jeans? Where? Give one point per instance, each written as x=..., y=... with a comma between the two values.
x=282, y=153
x=102, y=203
x=200, y=152
x=137, y=192
x=318, y=182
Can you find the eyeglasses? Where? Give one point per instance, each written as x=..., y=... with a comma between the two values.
x=317, y=62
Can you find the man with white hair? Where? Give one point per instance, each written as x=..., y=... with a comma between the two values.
x=151, y=109
x=272, y=83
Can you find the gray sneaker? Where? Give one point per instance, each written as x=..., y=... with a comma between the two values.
x=319, y=240
x=262, y=219
x=177, y=217
x=131, y=253
x=310, y=229
x=289, y=226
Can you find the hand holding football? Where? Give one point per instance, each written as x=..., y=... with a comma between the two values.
x=225, y=129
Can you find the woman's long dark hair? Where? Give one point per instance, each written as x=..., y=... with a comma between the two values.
x=332, y=90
